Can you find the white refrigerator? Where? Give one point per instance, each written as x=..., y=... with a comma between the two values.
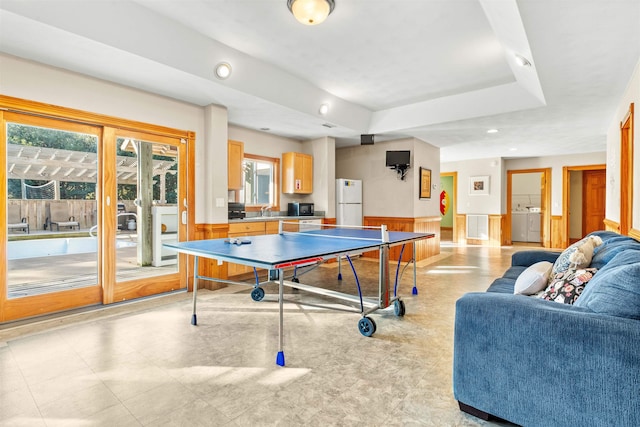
x=348, y=202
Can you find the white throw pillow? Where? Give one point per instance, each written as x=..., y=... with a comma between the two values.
x=533, y=279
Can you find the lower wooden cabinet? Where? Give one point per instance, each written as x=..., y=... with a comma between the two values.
x=243, y=229
x=253, y=228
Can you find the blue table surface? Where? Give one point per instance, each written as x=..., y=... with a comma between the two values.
x=274, y=249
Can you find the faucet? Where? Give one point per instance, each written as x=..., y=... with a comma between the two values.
x=264, y=209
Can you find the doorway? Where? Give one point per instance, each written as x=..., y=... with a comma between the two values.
x=448, y=204
x=584, y=189
x=528, y=218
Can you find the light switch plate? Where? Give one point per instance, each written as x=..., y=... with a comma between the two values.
x=219, y=202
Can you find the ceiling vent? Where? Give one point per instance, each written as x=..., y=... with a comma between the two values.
x=366, y=139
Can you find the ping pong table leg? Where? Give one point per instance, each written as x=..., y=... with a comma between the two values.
x=194, y=319
x=280, y=356
x=415, y=288
x=339, y=267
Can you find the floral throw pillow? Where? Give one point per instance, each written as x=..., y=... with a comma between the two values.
x=565, y=287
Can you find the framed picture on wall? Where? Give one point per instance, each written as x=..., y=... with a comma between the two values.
x=478, y=185
x=425, y=183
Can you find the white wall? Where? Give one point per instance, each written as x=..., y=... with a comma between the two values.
x=37, y=82
x=631, y=95
x=324, y=172
x=384, y=194
x=490, y=204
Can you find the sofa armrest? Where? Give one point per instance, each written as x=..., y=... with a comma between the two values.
x=536, y=362
x=527, y=258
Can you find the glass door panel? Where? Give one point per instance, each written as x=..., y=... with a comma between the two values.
x=51, y=235
x=148, y=214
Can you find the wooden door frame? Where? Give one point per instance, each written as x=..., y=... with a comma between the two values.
x=545, y=228
x=566, y=196
x=454, y=198
x=626, y=173
x=20, y=308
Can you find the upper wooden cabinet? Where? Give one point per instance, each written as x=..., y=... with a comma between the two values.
x=297, y=173
x=235, y=155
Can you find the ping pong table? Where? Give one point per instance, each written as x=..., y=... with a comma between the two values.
x=292, y=250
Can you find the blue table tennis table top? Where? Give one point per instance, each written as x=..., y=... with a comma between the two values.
x=271, y=250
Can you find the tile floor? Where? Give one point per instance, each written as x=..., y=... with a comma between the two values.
x=144, y=364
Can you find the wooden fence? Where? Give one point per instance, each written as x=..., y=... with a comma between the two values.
x=85, y=212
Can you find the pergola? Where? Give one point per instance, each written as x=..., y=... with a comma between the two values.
x=54, y=164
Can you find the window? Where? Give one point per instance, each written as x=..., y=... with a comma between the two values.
x=261, y=178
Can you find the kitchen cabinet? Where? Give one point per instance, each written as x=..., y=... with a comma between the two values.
x=235, y=155
x=164, y=224
x=254, y=228
x=297, y=173
x=243, y=229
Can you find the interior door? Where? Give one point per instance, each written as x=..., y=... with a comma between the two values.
x=594, y=187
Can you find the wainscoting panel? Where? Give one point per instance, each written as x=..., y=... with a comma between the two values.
x=494, y=235
x=558, y=239
x=209, y=267
x=424, y=249
x=611, y=225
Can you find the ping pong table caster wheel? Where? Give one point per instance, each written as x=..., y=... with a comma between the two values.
x=367, y=326
x=398, y=308
x=257, y=294
x=295, y=280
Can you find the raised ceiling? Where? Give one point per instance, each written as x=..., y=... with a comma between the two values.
x=440, y=71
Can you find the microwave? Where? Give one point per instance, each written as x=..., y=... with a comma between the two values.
x=300, y=209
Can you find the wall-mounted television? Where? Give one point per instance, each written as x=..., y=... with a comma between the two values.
x=398, y=159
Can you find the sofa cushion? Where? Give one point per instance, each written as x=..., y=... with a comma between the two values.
x=502, y=285
x=566, y=287
x=615, y=290
x=585, y=245
x=533, y=279
x=514, y=272
x=612, y=247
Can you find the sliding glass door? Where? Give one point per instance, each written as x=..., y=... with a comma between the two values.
x=86, y=210
x=150, y=200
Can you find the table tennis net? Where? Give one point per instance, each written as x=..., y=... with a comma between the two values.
x=367, y=233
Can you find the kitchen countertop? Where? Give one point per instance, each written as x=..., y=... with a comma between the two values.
x=272, y=218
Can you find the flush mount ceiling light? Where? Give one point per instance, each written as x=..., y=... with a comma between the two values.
x=324, y=109
x=522, y=61
x=492, y=131
x=311, y=12
x=223, y=70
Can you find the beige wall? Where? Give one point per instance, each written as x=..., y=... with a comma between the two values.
x=575, y=205
x=490, y=204
x=384, y=194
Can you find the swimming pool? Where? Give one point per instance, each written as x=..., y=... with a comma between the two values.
x=36, y=248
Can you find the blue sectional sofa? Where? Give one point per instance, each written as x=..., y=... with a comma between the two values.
x=535, y=362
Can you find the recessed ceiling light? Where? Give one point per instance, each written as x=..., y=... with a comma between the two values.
x=223, y=70
x=522, y=61
x=492, y=131
x=513, y=149
x=324, y=109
